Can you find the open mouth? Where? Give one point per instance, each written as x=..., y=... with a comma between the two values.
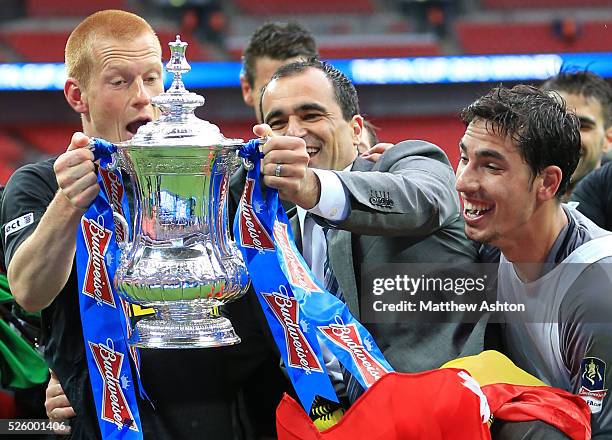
x=312, y=151
x=133, y=126
x=473, y=211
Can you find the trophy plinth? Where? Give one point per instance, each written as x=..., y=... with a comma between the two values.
x=181, y=260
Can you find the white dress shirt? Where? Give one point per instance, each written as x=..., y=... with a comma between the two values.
x=333, y=205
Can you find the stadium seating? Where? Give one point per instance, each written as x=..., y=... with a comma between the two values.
x=71, y=8
x=28, y=44
x=37, y=46
x=526, y=37
x=11, y=150
x=364, y=49
x=195, y=50
x=280, y=7
x=48, y=139
x=543, y=4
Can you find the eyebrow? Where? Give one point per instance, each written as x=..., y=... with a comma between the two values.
x=302, y=108
x=584, y=120
x=123, y=66
x=484, y=153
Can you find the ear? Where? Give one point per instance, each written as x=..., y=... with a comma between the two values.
x=607, y=146
x=75, y=96
x=550, y=179
x=247, y=90
x=356, y=125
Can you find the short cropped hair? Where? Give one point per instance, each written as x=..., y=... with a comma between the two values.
x=278, y=41
x=371, y=130
x=545, y=132
x=111, y=23
x=587, y=84
x=344, y=90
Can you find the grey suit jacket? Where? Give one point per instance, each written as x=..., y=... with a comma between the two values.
x=404, y=209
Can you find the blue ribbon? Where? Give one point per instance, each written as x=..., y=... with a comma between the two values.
x=299, y=311
x=104, y=314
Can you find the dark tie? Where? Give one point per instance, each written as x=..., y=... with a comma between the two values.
x=353, y=387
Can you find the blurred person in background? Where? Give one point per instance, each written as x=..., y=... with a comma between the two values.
x=23, y=371
x=594, y=196
x=271, y=46
x=369, y=146
x=590, y=97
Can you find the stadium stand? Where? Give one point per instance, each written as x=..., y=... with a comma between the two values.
x=543, y=4
x=357, y=29
x=47, y=139
x=279, y=7
x=28, y=45
x=71, y=8
x=531, y=37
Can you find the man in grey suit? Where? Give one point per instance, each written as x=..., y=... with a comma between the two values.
x=311, y=112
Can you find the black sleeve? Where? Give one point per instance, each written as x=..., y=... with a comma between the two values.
x=2, y=264
x=594, y=196
x=586, y=342
x=26, y=197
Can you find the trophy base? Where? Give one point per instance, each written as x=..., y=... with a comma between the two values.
x=162, y=331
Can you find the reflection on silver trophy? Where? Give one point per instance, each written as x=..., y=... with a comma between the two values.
x=181, y=260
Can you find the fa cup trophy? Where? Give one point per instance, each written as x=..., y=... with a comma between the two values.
x=181, y=259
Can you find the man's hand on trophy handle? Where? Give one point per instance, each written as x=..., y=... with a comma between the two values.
x=76, y=174
x=285, y=168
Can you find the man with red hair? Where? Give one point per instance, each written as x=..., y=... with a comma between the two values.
x=113, y=61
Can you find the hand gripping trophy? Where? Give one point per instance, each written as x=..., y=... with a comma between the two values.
x=181, y=260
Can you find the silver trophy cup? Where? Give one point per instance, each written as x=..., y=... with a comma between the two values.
x=181, y=260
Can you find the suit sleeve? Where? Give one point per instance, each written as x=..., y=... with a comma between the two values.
x=586, y=343
x=409, y=192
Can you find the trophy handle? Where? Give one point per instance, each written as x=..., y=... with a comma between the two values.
x=102, y=148
x=247, y=152
x=123, y=244
x=115, y=163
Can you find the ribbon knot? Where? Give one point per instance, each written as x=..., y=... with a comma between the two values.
x=250, y=150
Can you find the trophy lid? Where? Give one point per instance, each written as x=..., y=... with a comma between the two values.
x=178, y=125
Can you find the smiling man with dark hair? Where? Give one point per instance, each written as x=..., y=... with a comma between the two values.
x=519, y=150
x=311, y=111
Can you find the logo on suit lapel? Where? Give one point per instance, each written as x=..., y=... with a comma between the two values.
x=97, y=283
x=252, y=233
x=592, y=380
x=347, y=337
x=382, y=199
x=299, y=350
x=296, y=271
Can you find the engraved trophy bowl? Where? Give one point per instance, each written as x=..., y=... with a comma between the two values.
x=181, y=259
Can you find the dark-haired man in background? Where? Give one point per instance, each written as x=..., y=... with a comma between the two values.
x=272, y=45
x=517, y=155
x=590, y=97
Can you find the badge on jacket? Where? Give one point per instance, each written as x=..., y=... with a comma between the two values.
x=592, y=383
